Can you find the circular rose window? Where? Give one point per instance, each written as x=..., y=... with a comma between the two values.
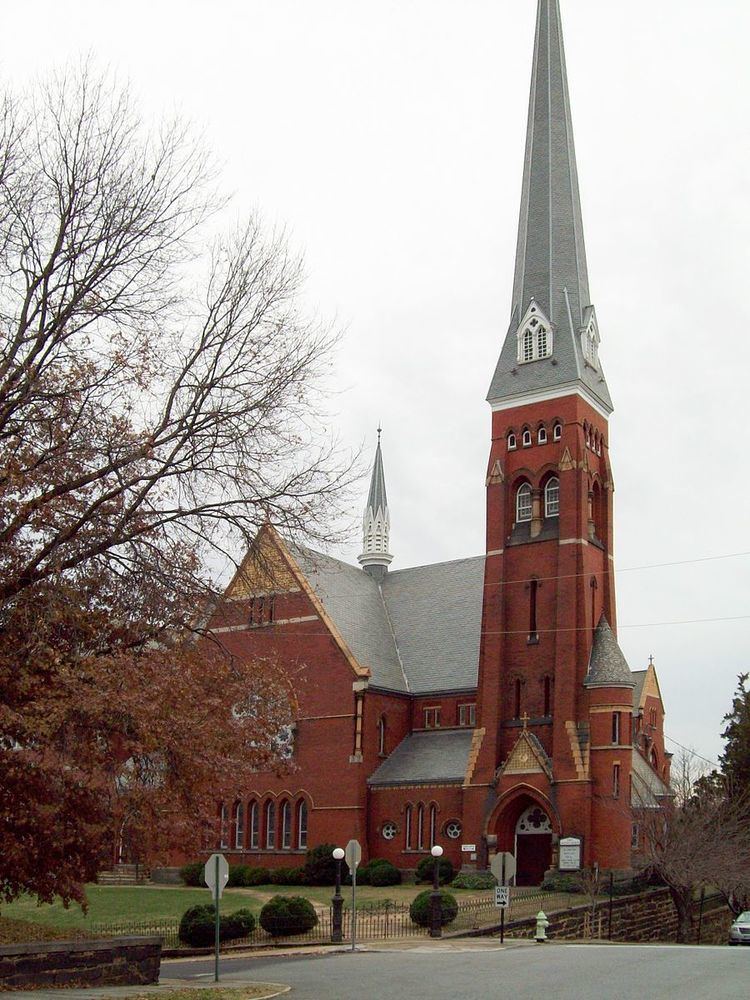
x=389, y=831
x=453, y=829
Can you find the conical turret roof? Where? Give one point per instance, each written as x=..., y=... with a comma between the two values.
x=607, y=665
x=377, y=498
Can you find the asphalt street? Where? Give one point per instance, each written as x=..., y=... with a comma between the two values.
x=552, y=971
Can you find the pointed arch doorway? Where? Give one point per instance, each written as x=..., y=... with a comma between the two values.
x=533, y=845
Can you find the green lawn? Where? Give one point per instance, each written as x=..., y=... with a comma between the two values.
x=112, y=904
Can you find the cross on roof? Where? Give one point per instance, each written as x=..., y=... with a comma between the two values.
x=651, y=661
x=525, y=719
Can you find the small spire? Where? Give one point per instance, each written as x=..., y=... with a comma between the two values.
x=376, y=524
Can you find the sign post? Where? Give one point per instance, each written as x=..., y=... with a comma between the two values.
x=503, y=867
x=353, y=855
x=216, y=876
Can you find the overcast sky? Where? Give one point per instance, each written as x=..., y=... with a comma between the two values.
x=389, y=136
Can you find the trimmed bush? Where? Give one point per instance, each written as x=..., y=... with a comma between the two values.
x=420, y=910
x=192, y=874
x=426, y=867
x=287, y=876
x=474, y=880
x=383, y=873
x=198, y=925
x=288, y=915
x=562, y=883
x=237, y=874
x=320, y=867
x=256, y=876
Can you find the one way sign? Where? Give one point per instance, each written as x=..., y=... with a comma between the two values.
x=502, y=897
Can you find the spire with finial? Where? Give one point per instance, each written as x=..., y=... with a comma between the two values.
x=553, y=340
x=376, y=524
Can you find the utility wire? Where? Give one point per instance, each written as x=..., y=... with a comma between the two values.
x=692, y=752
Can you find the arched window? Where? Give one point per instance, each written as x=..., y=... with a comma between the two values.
x=270, y=826
x=523, y=503
x=433, y=825
x=302, y=824
x=254, y=824
x=552, y=498
x=286, y=824
x=541, y=437
x=528, y=344
x=420, y=827
x=557, y=432
x=223, y=827
x=239, y=825
x=381, y=736
x=534, y=336
x=407, y=828
x=512, y=442
x=526, y=439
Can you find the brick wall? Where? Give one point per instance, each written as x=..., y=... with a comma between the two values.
x=127, y=961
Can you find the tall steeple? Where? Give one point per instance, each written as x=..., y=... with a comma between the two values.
x=552, y=344
x=376, y=524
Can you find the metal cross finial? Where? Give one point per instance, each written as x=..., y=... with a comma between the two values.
x=380, y=431
x=651, y=661
x=525, y=718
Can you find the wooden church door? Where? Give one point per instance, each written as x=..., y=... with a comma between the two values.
x=533, y=846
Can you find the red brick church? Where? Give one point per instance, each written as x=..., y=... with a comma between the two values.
x=482, y=704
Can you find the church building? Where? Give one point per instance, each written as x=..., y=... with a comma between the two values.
x=482, y=704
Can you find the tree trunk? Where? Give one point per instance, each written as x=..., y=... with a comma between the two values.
x=683, y=904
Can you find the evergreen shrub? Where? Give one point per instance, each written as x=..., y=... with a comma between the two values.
x=320, y=866
x=287, y=876
x=474, y=880
x=256, y=876
x=198, y=925
x=383, y=873
x=420, y=910
x=426, y=867
x=192, y=874
x=237, y=875
x=288, y=915
x=562, y=883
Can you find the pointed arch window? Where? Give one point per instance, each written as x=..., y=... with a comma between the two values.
x=420, y=827
x=512, y=442
x=239, y=826
x=517, y=686
x=541, y=437
x=523, y=503
x=433, y=825
x=286, y=824
x=526, y=438
x=253, y=816
x=302, y=824
x=552, y=498
x=223, y=827
x=557, y=432
x=534, y=336
x=270, y=826
x=407, y=828
x=381, y=736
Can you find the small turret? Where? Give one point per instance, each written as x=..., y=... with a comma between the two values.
x=376, y=525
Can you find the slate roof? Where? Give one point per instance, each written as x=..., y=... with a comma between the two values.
x=417, y=632
x=647, y=788
x=607, y=665
x=639, y=678
x=377, y=498
x=551, y=254
x=440, y=755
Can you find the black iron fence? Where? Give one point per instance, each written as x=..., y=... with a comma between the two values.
x=375, y=921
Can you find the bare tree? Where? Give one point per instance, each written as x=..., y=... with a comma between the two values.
x=160, y=394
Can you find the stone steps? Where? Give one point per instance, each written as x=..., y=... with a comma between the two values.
x=124, y=875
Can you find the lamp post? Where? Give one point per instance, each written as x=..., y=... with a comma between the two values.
x=436, y=904
x=337, y=932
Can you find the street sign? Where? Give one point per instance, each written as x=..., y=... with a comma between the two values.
x=353, y=854
x=503, y=867
x=502, y=896
x=209, y=874
x=468, y=848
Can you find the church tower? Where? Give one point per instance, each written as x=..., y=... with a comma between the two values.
x=376, y=524
x=552, y=751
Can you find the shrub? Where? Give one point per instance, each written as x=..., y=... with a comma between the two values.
x=287, y=876
x=474, y=880
x=288, y=915
x=237, y=874
x=383, y=873
x=256, y=876
x=192, y=874
x=426, y=867
x=420, y=910
x=320, y=866
x=562, y=883
x=198, y=925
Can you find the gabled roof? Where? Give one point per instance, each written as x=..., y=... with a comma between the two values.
x=417, y=632
x=437, y=756
x=607, y=665
x=646, y=683
x=647, y=789
x=551, y=254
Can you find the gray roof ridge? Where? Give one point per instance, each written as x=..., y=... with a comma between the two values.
x=393, y=636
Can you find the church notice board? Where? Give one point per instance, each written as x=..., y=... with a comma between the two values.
x=570, y=854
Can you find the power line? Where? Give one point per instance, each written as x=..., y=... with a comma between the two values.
x=692, y=752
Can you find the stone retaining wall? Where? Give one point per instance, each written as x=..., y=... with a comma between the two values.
x=650, y=916
x=125, y=961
